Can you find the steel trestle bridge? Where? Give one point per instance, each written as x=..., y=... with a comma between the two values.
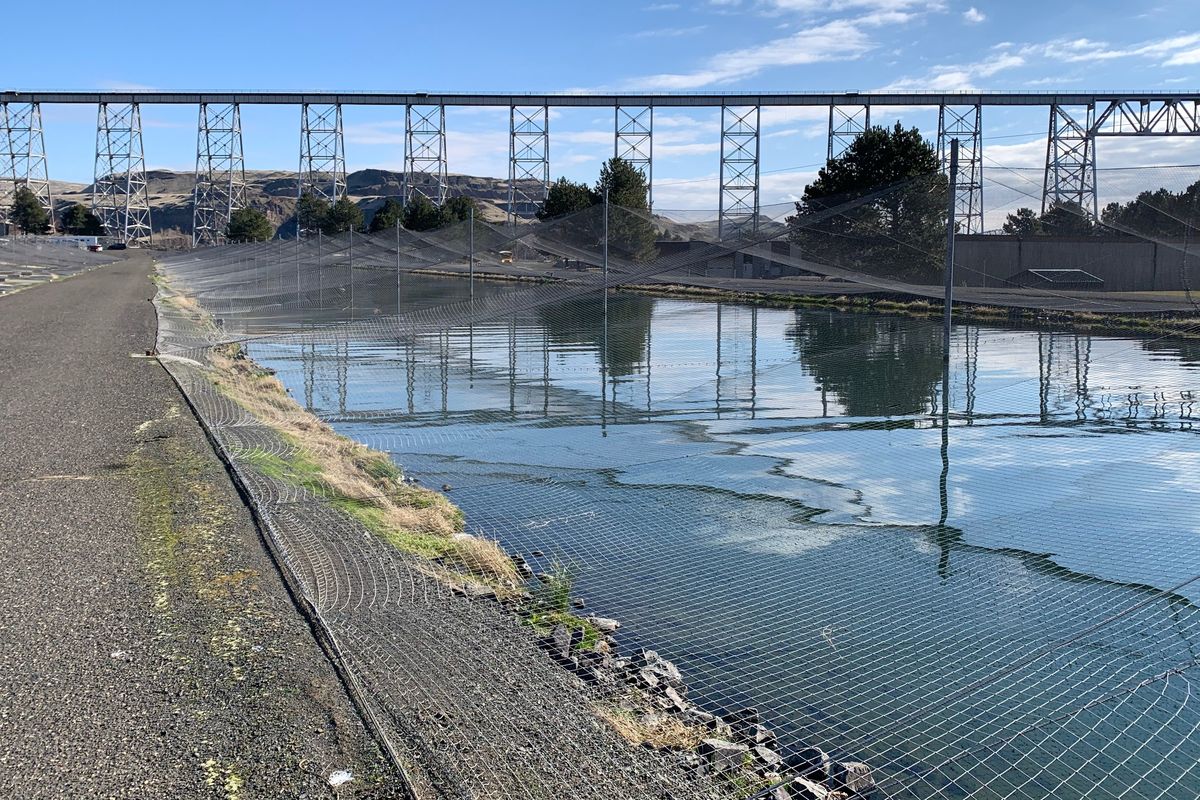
x=1075, y=120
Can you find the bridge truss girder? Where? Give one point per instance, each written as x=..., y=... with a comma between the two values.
x=322, y=171
x=739, y=171
x=220, y=172
x=119, y=196
x=966, y=125
x=633, y=141
x=425, y=152
x=23, y=157
x=846, y=123
x=528, y=160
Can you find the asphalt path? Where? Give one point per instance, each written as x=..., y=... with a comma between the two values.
x=148, y=647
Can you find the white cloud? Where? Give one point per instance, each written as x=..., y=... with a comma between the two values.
x=1088, y=50
x=960, y=77
x=839, y=40
x=662, y=7
x=669, y=33
x=1184, y=57
x=974, y=16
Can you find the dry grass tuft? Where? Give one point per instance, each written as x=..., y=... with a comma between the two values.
x=659, y=731
x=329, y=463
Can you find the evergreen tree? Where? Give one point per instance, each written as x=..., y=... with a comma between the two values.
x=631, y=233
x=27, y=212
x=248, y=225
x=567, y=197
x=879, y=207
x=1023, y=222
x=311, y=213
x=458, y=209
x=420, y=214
x=77, y=220
x=344, y=215
x=387, y=216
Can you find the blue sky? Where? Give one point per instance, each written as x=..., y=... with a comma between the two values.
x=720, y=45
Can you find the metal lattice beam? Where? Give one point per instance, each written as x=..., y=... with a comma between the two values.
x=966, y=125
x=739, y=171
x=322, y=152
x=425, y=152
x=846, y=123
x=23, y=156
x=528, y=160
x=1141, y=117
x=634, y=142
x=119, y=196
x=220, y=172
x=1070, y=177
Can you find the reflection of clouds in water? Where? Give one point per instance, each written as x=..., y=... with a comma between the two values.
x=789, y=541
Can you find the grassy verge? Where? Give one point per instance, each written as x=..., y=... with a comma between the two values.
x=363, y=483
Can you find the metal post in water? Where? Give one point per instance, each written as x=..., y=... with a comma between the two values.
x=320, y=271
x=298, y=292
x=948, y=307
x=397, y=265
x=606, y=242
x=352, y=273
x=471, y=253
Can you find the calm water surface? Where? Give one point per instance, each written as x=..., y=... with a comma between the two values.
x=778, y=501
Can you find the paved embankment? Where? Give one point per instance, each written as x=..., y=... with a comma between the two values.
x=147, y=645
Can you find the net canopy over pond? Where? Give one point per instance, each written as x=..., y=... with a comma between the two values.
x=974, y=570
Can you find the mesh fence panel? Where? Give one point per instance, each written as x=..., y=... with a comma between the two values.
x=978, y=575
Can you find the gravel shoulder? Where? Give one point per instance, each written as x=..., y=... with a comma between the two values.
x=148, y=647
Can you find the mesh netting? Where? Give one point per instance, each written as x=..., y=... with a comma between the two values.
x=27, y=262
x=977, y=575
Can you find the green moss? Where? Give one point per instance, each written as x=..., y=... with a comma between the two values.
x=544, y=621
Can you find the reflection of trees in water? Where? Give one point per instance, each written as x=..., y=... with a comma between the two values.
x=581, y=321
x=877, y=366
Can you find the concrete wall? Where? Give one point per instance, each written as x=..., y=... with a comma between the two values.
x=1124, y=264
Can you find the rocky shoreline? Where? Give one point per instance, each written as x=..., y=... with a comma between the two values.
x=645, y=698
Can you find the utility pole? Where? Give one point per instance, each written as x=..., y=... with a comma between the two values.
x=948, y=303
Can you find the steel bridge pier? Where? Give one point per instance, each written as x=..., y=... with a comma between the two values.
x=23, y=157
x=425, y=152
x=528, y=160
x=119, y=196
x=220, y=172
x=739, y=207
x=633, y=141
x=966, y=125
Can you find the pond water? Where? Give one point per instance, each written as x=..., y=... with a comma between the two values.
x=990, y=597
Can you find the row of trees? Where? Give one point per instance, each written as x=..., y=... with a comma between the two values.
x=1158, y=213
x=30, y=217
x=631, y=231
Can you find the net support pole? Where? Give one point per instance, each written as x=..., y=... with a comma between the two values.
x=606, y=268
x=948, y=306
x=351, y=270
x=397, y=265
x=471, y=251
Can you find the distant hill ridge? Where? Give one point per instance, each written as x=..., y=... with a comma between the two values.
x=274, y=193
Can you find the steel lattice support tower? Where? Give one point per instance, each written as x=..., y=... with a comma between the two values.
x=846, y=123
x=1071, y=160
x=528, y=160
x=23, y=156
x=739, y=171
x=119, y=196
x=634, y=142
x=966, y=125
x=322, y=152
x=425, y=152
x=220, y=172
